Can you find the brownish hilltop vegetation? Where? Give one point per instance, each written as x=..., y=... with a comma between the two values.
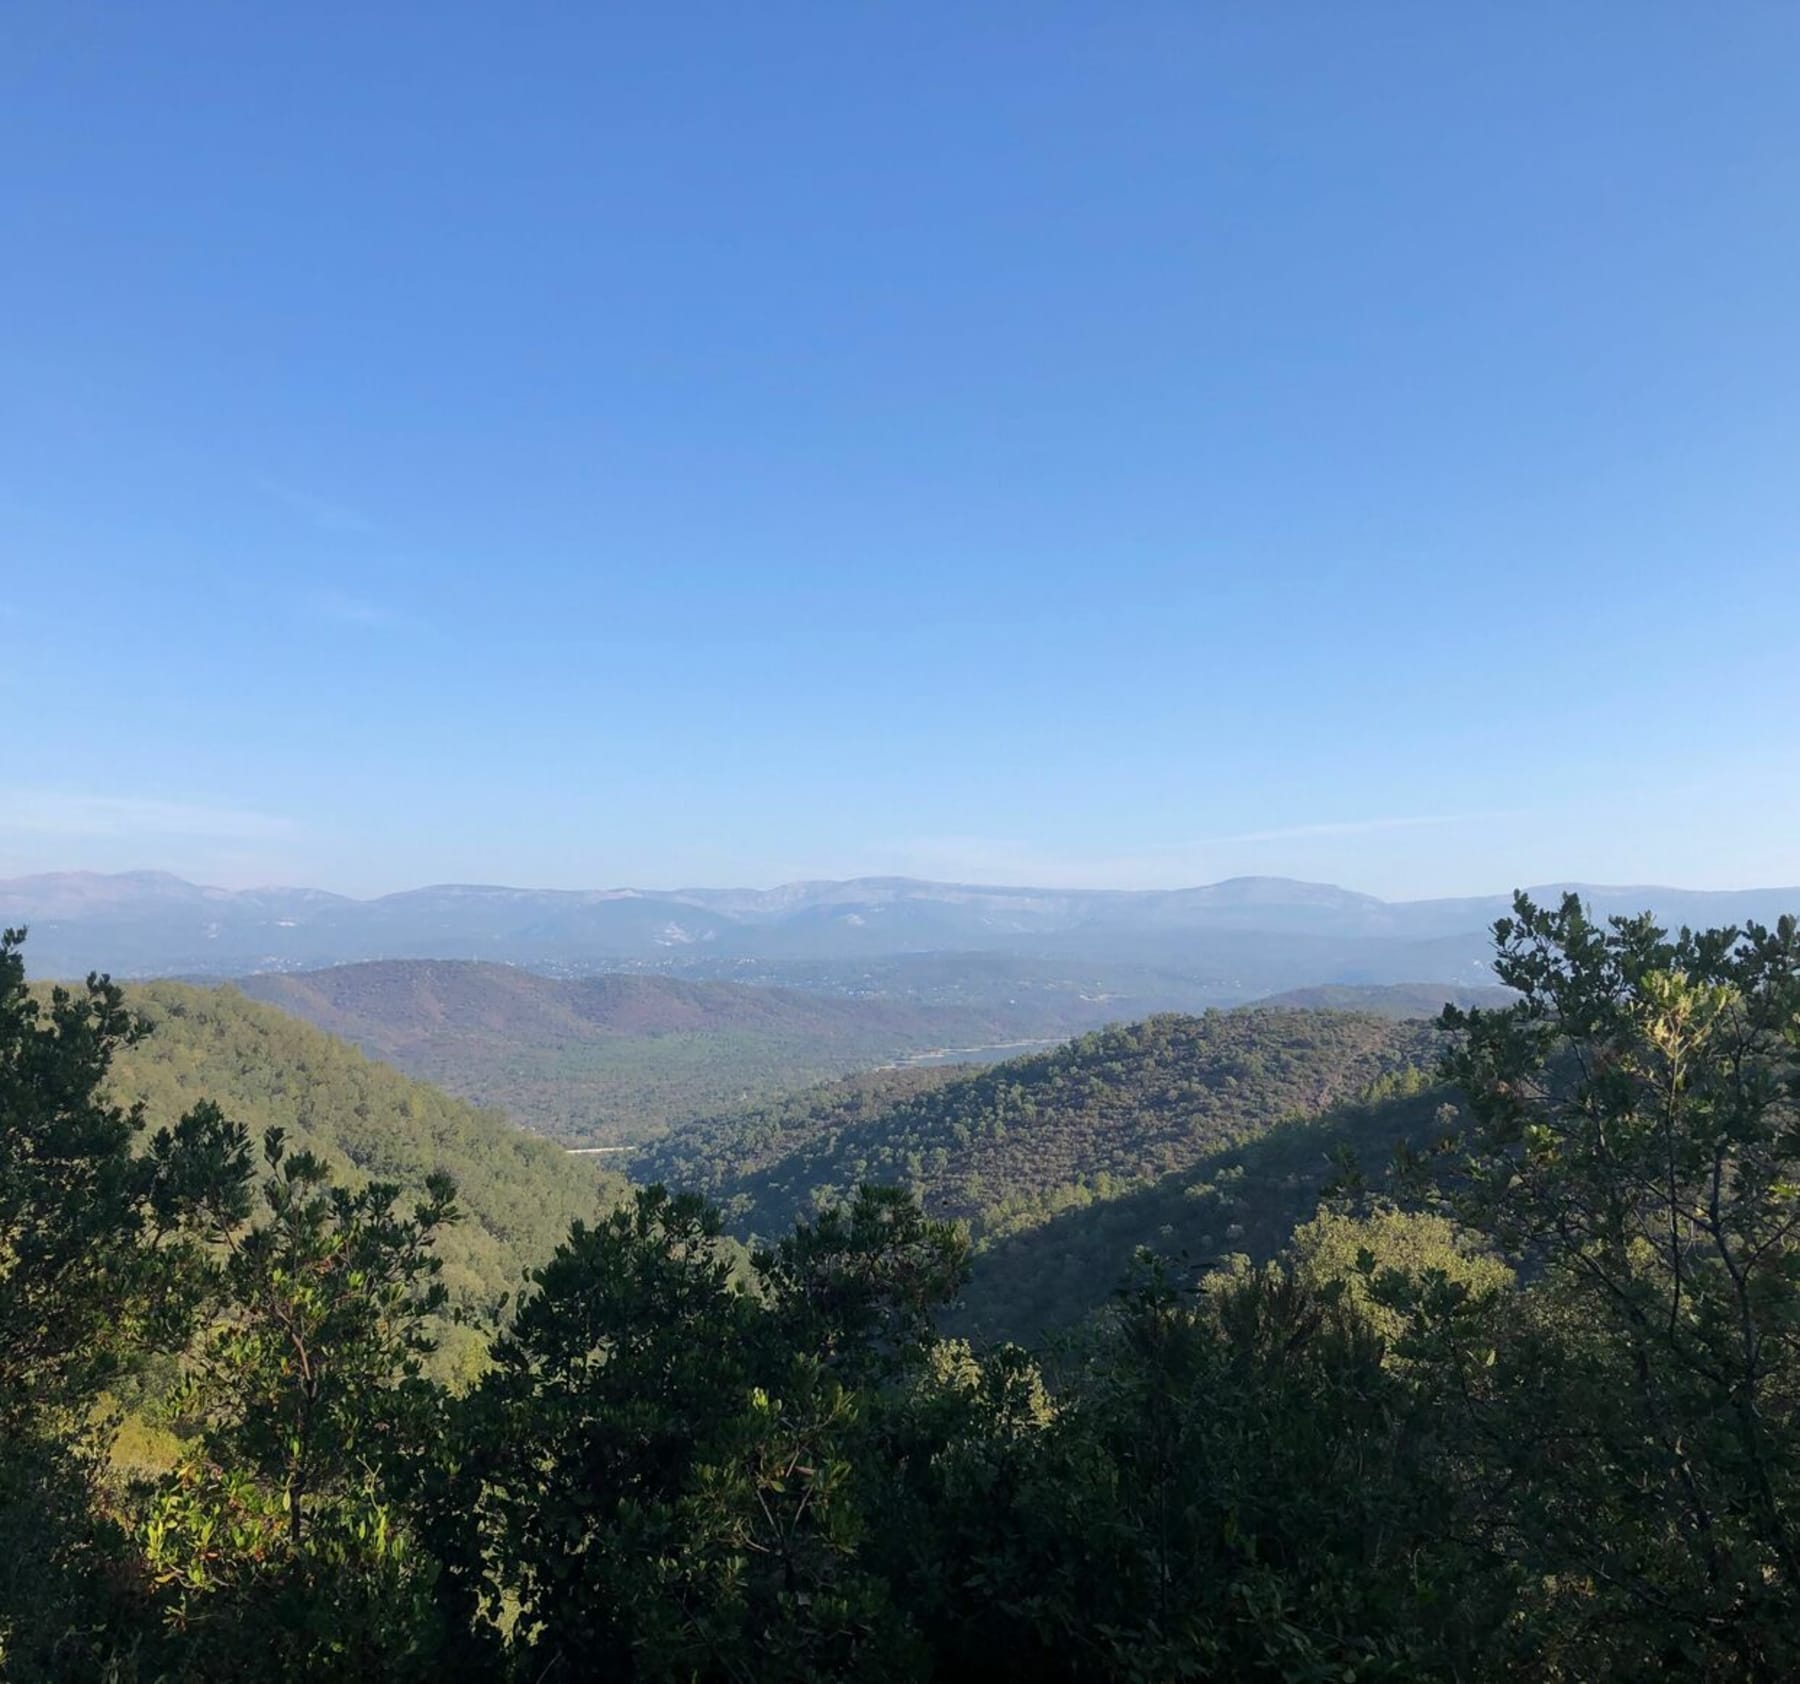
x=611, y=1058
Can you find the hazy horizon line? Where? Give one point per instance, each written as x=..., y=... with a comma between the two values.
x=628, y=890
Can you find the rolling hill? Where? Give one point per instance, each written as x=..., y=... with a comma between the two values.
x=1241, y=1198
x=613, y=1058
x=1008, y=1147
x=368, y=1121
x=1398, y=1000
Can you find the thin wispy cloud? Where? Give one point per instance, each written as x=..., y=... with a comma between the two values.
x=60, y=813
x=322, y=512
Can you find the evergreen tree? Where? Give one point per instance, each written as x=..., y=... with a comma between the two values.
x=102, y=1256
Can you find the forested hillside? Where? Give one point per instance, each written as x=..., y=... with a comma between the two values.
x=1524, y=1412
x=712, y=1153
x=1243, y=1198
x=614, y=1058
x=1007, y=1147
x=367, y=1121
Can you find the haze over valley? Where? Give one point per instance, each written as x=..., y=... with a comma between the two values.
x=898, y=844
x=610, y=1018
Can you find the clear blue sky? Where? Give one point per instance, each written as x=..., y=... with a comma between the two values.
x=1124, y=443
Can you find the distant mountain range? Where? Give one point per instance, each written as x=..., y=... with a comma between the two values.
x=1239, y=938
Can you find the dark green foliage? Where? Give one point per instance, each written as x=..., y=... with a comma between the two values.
x=279, y=1535
x=1547, y=1427
x=94, y=1239
x=1638, y=1139
x=858, y=1286
x=1229, y=1490
x=669, y=1463
x=101, y=1258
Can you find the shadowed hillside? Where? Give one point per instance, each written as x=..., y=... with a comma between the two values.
x=715, y=1153
x=1244, y=1198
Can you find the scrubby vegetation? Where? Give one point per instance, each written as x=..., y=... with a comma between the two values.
x=1006, y=1148
x=1526, y=1408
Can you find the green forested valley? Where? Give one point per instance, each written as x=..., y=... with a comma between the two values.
x=619, y=1058
x=1383, y=1351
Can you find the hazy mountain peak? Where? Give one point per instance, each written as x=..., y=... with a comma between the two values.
x=1244, y=935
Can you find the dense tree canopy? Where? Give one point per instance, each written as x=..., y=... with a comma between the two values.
x=1638, y=1143
x=1526, y=1407
x=1008, y=1147
x=103, y=1259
